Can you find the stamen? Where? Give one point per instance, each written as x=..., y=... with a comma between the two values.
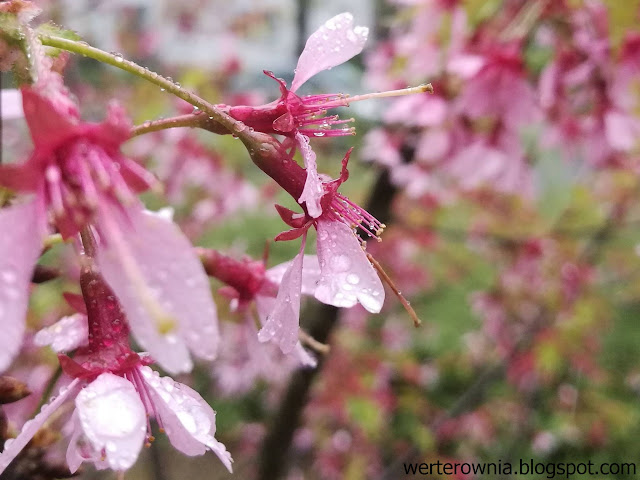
x=89, y=190
x=53, y=179
x=405, y=303
x=98, y=169
x=116, y=183
x=427, y=87
x=357, y=216
x=147, y=401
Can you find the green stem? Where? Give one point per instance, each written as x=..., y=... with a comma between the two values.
x=86, y=50
x=192, y=120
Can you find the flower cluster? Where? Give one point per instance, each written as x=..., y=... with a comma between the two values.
x=140, y=275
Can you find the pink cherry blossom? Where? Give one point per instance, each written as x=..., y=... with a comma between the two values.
x=79, y=176
x=332, y=44
x=247, y=282
x=110, y=420
x=346, y=275
x=500, y=90
x=115, y=391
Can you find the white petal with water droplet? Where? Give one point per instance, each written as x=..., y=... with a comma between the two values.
x=332, y=44
x=113, y=419
x=20, y=244
x=346, y=276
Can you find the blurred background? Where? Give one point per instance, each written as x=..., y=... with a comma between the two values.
x=510, y=198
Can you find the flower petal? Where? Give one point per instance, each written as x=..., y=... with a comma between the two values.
x=13, y=447
x=265, y=305
x=189, y=421
x=332, y=44
x=20, y=246
x=80, y=451
x=346, y=277
x=113, y=419
x=313, y=191
x=65, y=335
x=50, y=113
x=310, y=273
x=154, y=272
x=284, y=320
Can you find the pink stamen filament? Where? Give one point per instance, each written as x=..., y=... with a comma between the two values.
x=146, y=398
x=357, y=216
x=53, y=179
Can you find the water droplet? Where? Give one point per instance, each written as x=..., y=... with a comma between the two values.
x=353, y=279
x=118, y=58
x=340, y=263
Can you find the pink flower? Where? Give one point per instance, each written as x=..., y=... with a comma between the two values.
x=115, y=391
x=332, y=44
x=500, y=90
x=346, y=276
x=248, y=282
x=110, y=420
x=81, y=180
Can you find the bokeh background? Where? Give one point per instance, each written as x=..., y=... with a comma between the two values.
x=510, y=198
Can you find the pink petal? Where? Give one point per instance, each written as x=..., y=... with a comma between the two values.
x=113, y=419
x=20, y=245
x=74, y=454
x=189, y=421
x=79, y=450
x=154, y=272
x=65, y=335
x=13, y=447
x=347, y=277
x=332, y=44
x=283, y=321
x=310, y=273
x=313, y=191
x=265, y=305
x=50, y=118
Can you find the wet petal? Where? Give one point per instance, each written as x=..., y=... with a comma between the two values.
x=310, y=273
x=346, y=277
x=189, y=421
x=79, y=450
x=265, y=305
x=20, y=245
x=332, y=44
x=283, y=322
x=313, y=191
x=154, y=272
x=65, y=335
x=113, y=419
x=13, y=447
